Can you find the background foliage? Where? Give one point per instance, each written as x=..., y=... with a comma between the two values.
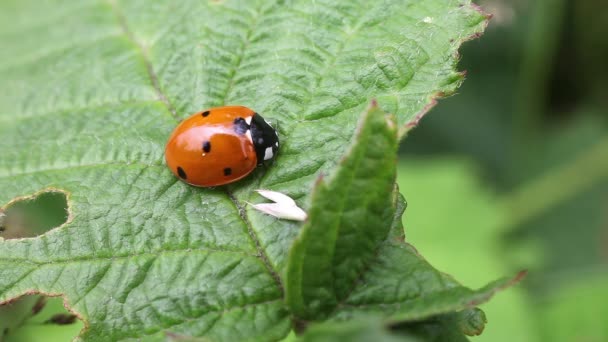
x=529, y=159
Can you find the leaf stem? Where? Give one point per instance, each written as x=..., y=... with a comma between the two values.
x=253, y=235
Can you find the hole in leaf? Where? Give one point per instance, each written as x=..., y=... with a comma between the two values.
x=34, y=215
x=38, y=318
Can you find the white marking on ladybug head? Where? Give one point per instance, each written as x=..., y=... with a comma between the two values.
x=268, y=154
x=248, y=120
x=248, y=135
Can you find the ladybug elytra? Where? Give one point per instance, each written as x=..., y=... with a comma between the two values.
x=220, y=145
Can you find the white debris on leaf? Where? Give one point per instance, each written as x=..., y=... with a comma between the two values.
x=284, y=207
x=276, y=197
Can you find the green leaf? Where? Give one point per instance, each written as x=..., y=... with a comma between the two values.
x=90, y=91
x=347, y=220
x=347, y=261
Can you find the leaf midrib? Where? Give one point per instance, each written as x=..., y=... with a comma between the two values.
x=156, y=253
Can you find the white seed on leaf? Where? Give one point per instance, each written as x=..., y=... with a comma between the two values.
x=284, y=207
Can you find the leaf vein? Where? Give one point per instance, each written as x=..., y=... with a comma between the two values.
x=124, y=256
x=252, y=234
x=122, y=20
x=241, y=54
x=74, y=167
x=194, y=318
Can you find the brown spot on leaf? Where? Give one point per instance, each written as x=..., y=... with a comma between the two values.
x=40, y=303
x=62, y=319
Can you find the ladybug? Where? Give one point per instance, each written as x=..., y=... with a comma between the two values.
x=220, y=145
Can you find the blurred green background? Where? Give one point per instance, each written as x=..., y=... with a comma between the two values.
x=512, y=172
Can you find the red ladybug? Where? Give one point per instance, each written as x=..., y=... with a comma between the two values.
x=220, y=145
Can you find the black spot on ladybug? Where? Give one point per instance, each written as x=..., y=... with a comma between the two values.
x=227, y=171
x=181, y=172
x=240, y=126
x=205, y=113
x=206, y=147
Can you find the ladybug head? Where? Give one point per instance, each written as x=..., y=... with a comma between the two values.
x=265, y=139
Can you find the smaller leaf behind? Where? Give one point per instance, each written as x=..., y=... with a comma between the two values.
x=362, y=329
x=370, y=327
x=349, y=217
